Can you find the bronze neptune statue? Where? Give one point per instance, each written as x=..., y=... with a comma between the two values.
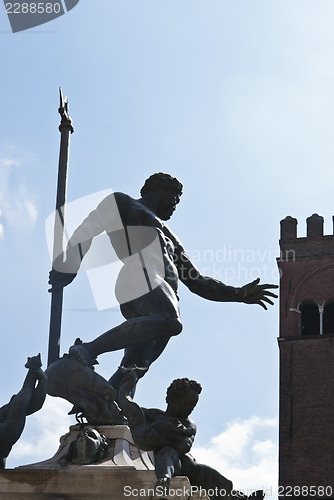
x=154, y=261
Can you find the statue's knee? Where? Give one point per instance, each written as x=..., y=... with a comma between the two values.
x=176, y=326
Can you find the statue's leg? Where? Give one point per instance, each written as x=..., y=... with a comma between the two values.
x=133, y=412
x=142, y=355
x=206, y=477
x=155, y=315
x=167, y=464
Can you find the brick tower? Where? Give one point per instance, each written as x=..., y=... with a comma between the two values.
x=306, y=345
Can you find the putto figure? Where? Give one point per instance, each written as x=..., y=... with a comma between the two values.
x=170, y=435
x=29, y=400
x=153, y=262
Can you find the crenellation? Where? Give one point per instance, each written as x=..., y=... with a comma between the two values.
x=315, y=226
x=314, y=245
x=289, y=228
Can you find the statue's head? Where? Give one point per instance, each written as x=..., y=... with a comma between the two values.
x=34, y=362
x=182, y=396
x=88, y=447
x=165, y=190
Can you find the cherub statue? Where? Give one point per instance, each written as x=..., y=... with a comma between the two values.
x=29, y=400
x=170, y=434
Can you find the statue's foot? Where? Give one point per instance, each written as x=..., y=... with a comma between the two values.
x=82, y=355
x=162, y=485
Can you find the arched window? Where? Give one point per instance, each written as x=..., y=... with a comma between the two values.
x=310, y=319
x=329, y=318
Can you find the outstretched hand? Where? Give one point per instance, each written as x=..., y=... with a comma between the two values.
x=253, y=293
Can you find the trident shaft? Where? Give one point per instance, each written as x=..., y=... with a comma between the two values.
x=66, y=129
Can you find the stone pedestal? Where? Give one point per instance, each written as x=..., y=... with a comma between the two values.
x=125, y=472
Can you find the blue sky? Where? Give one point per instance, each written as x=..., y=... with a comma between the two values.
x=235, y=99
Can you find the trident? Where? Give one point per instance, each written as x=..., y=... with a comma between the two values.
x=66, y=129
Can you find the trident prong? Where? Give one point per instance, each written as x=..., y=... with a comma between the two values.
x=63, y=111
x=61, y=98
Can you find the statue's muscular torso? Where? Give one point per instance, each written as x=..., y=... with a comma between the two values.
x=143, y=242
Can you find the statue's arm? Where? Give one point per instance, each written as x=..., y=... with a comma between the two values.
x=134, y=413
x=105, y=217
x=188, y=440
x=163, y=432
x=212, y=289
x=203, y=286
x=141, y=422
x=185, y=445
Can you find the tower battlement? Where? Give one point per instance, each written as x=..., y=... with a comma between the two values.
x=314, y=243
x=314, y=224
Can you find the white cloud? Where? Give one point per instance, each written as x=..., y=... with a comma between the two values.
x=17, y=208
x=245, y=453
x=40, y=439
x=11, y=162
x=20, y=211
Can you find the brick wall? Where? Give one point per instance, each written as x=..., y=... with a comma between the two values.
x=306, y=433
